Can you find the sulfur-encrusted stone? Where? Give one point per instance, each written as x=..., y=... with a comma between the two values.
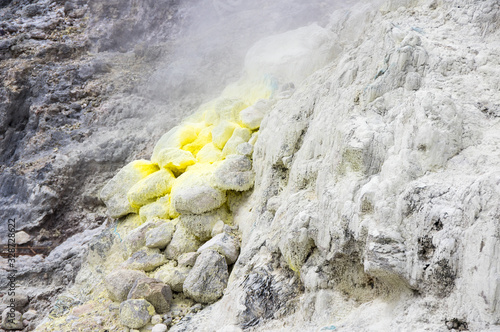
x=198, y=199
x=252, y=116
x=240, y=135
x=175, y=159
x=136, y=313
x=152, y=186
x=234, y=173
x=222, y=132
x=159, y=209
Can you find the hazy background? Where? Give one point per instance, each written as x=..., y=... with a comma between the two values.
x=208, y=52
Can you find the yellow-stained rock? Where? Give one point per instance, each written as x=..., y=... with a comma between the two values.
x=148, y=189
x=176, y=138
x=229, y=109
x=136, y=313
x=204, y=138
x=222, y=132
x=209, y=154
x=193, y=191
x=159, y=209
x=175, y=159
x=114, y=193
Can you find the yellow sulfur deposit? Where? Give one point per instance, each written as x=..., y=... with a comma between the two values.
x=204, y=138
x=159, y=209
x=175, y=159
x=180, y=177
x=222, y=132
x=152, y=186
x=209, y=154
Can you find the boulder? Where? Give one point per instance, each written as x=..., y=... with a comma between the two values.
x=197, y=199
x=20, y=300
x=224, y=244
x=252, y=116
x=240, y=135
x=207, y=280
x=159, y=328
x=209, y=154
x=154, y=291
x=12, y=320
x=160, y=237
x=160, y=209
x=234, y=173
x=136, y=313
x=146, y=259
x=156, y=319
x=201, y=225
x=244, y=149
x=188, y=259
x=175, y=138
x=151, y=187
x=136, y=239
x=173, y=276
x=119, y=282
x=222, y=132
x=22, y=237
x=175, y=159
x=182, y=241
x=114, y=193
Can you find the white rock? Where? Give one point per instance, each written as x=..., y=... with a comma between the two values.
x=159, y=328
x=225, y=245
x=22, y=237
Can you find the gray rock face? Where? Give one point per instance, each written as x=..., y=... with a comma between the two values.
x=208, y=278
x=153, y=291
x=160, y=236
x=119, y=283
x=136, y=313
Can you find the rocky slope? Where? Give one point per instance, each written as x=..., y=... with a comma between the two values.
x=375, y=198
